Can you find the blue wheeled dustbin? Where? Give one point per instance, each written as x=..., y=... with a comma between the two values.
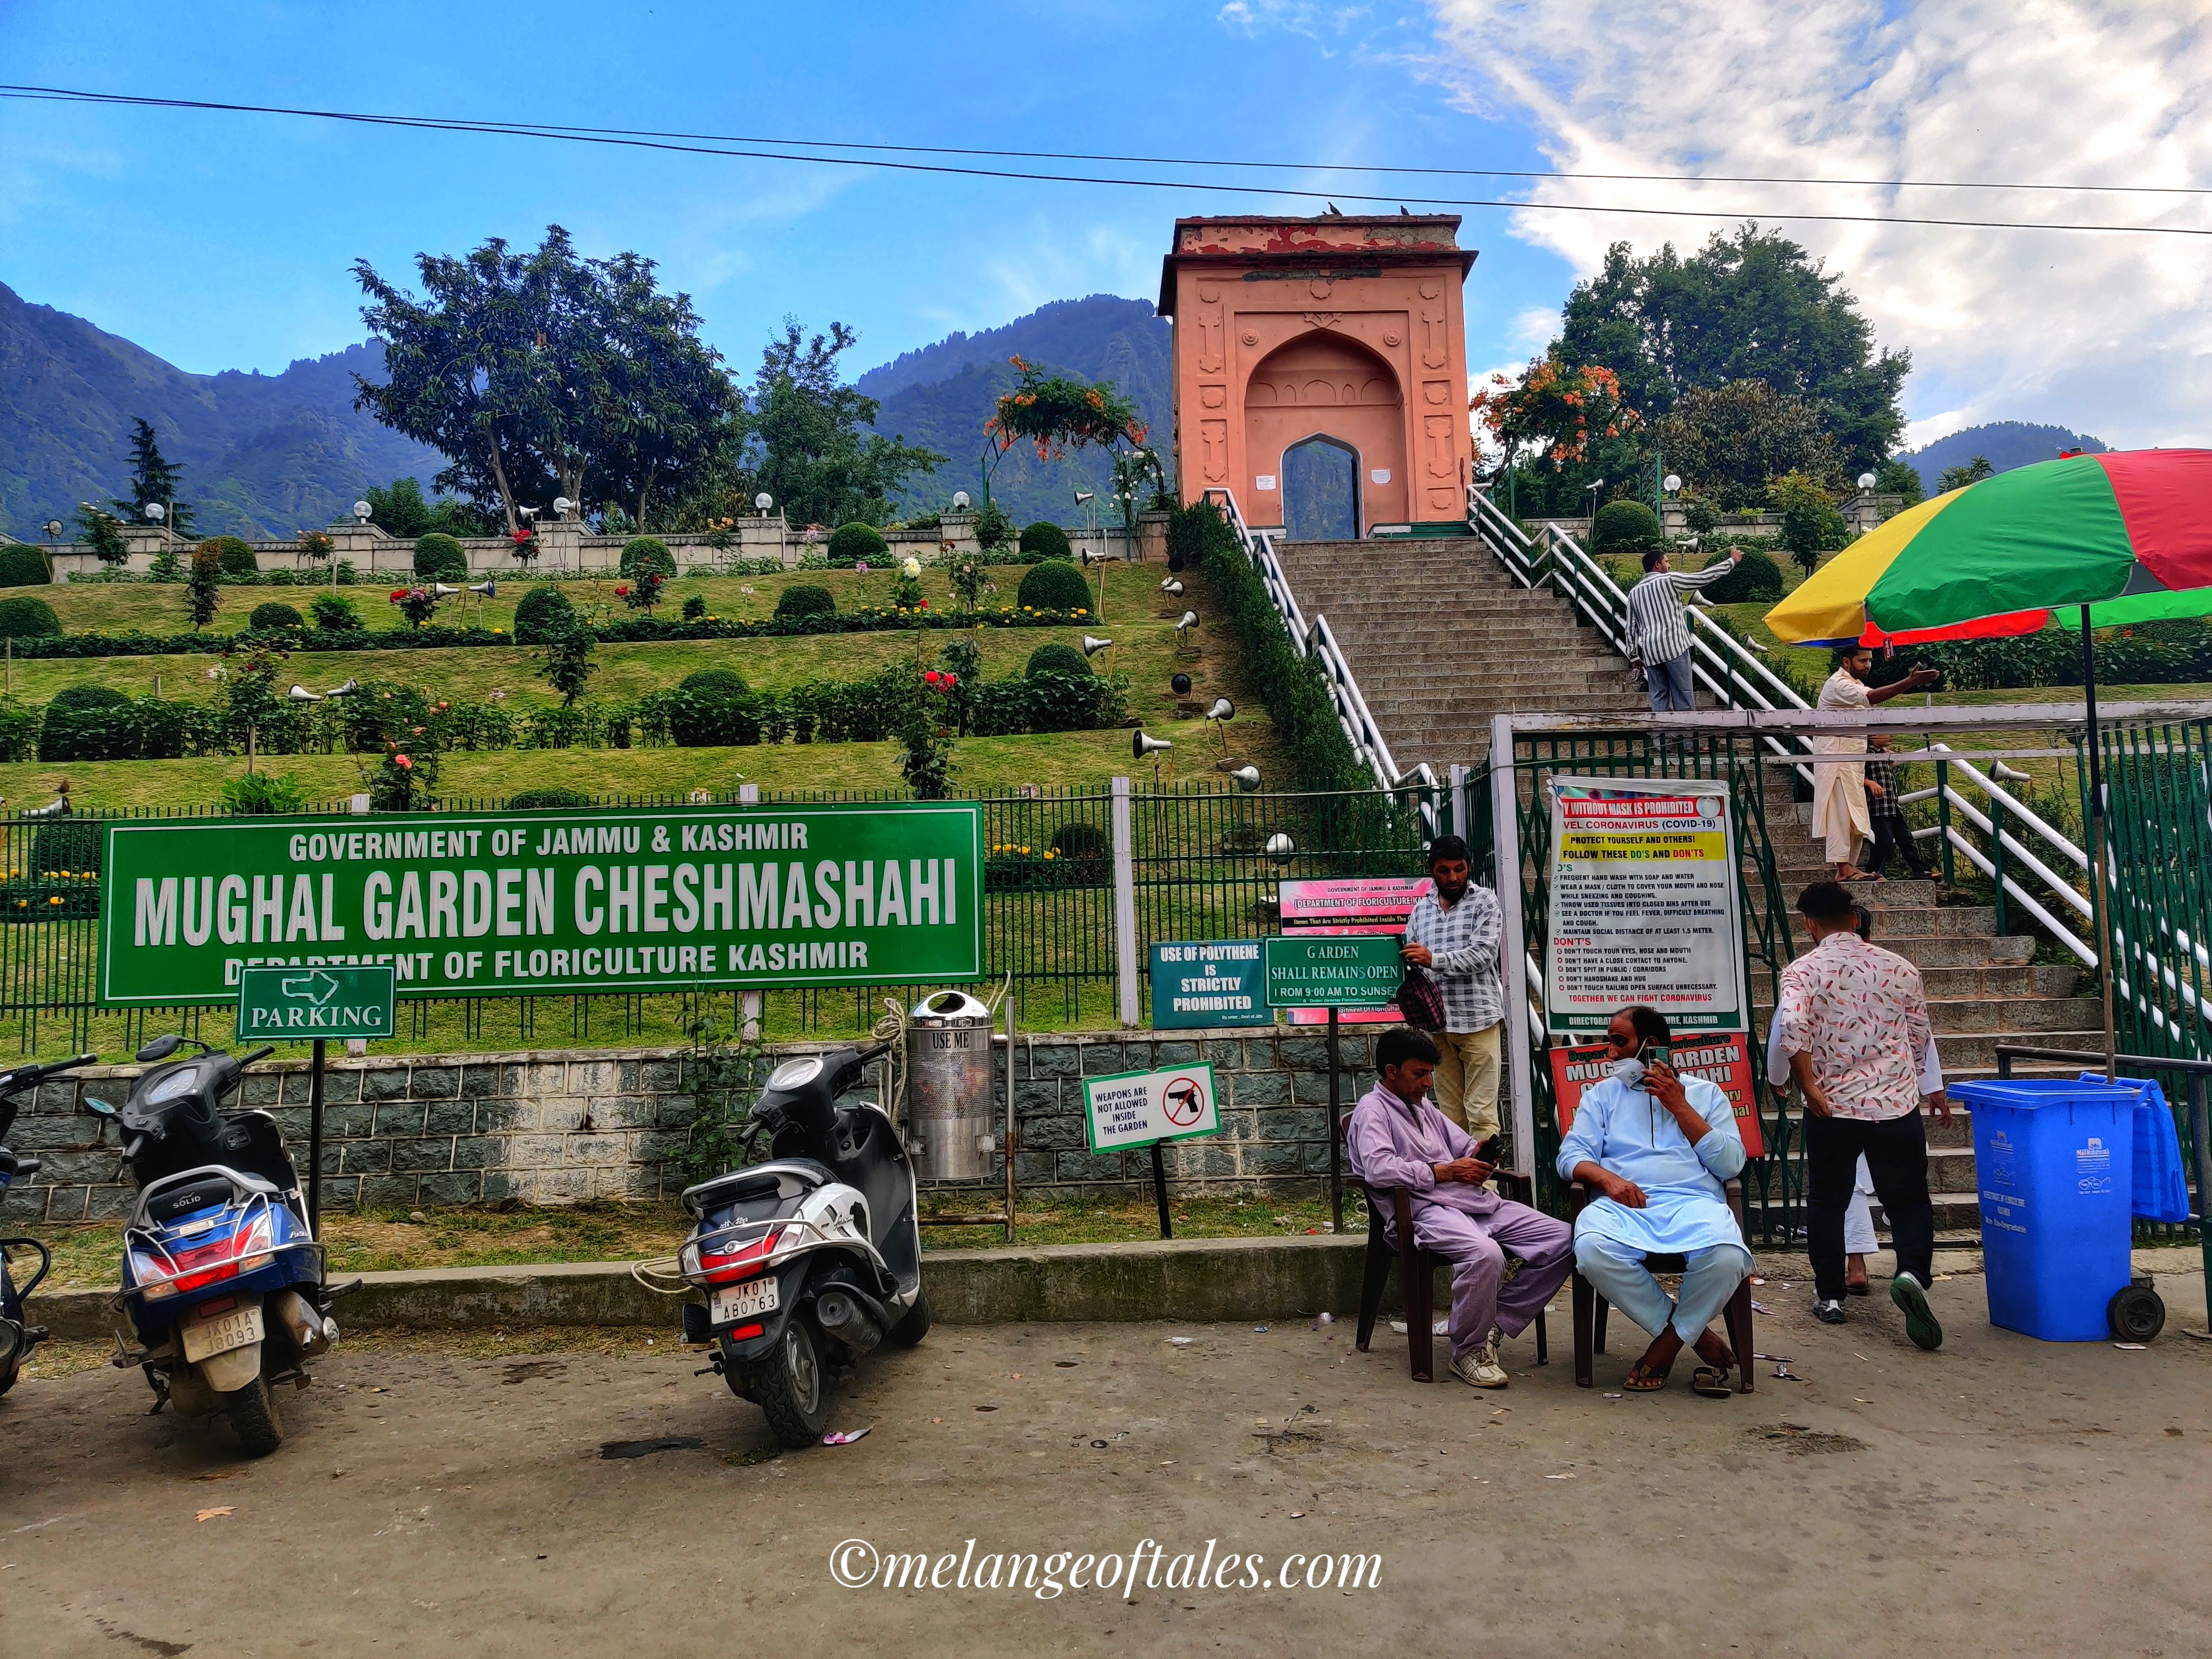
x=2053, y=1164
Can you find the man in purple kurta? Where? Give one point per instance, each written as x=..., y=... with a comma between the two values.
x=1399, y=1139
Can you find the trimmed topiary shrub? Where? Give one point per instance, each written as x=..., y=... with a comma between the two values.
x=544, y=614
x=540, y=801
x=640, y=553
x=854, y=542
x=440, y=558
x=23, y=566
x=715, y=682
x=275, y=614
x=234, y=557
x=1758, y=577
x=806, y=600
x=1056, y=659
x=1625, y=527
x=1046, y=540
x=88, y=697
x=26, y=618
x=1055, y=585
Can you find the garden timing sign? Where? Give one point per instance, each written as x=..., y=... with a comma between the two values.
x=532, y=904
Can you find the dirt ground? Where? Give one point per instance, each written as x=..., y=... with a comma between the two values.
x=467, y=1494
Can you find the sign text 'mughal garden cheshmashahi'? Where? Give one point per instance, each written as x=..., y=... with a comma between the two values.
x=530, y=903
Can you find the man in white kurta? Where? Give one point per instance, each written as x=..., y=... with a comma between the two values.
x=1657, y=1148
x=1840, y=803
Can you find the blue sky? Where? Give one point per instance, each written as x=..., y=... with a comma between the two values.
x=225, y=241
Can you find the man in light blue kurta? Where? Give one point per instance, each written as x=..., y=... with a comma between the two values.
x=1656, y=1147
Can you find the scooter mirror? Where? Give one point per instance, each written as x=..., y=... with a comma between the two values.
x=99, y=1107
x=160, y=1049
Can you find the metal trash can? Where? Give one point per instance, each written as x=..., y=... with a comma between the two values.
x=948, y=1081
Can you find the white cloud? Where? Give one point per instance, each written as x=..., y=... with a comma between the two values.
x=2111, y=334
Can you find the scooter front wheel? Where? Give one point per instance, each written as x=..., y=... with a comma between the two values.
x=252, y=1413
x=787, y=1385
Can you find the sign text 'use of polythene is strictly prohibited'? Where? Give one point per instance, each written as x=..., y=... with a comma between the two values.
x=528, y=903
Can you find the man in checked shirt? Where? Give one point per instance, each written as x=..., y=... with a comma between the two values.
x=1453, y=934
x=1658, y=632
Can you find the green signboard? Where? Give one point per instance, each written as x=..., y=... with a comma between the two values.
x=1332, y=970
x=1206, y=982
x=476, y=904
x=300, y=1005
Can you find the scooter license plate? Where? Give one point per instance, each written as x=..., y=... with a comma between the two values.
x=204, y=1338
x=747, y=1301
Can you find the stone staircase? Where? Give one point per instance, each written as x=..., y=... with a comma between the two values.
x=1441, y=639
x=1982, y=989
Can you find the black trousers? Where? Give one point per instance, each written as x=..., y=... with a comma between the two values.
x=1891, y=836
x=1896, y=1150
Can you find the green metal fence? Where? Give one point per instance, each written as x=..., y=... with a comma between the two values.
x=1201, y=868
x=1773, y=1184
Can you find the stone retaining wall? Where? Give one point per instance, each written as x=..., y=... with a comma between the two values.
x=404, y=1131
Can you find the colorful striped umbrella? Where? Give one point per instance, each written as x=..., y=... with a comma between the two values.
x=2129, y=534
x=2097, y=541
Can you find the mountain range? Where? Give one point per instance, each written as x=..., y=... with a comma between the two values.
x=262, y=454
x=2004, y=444
x=265, y=454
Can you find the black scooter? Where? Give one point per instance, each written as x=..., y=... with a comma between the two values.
x=221, y=1273
x=18, y=1336
x=810, y=1258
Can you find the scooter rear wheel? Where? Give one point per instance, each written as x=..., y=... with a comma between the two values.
x=788, y=1386
x=252, y=1413
x=914, y=1325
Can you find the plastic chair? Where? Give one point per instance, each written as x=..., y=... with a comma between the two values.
x=1591, y=1308
x=1417, y=1269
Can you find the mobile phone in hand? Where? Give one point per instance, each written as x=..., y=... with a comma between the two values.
x=1486, y=1152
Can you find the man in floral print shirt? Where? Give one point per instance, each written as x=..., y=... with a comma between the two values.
x=1853, y=1022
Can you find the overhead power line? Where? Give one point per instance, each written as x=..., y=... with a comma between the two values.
x=807, y=152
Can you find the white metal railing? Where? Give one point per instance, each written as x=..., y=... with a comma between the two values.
x=1737, y=679
x=1315, y=640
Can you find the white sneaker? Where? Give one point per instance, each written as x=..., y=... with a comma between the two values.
x=1479, y=1368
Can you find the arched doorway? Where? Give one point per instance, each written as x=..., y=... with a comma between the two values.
x=1320, y=490
x=1330, y=399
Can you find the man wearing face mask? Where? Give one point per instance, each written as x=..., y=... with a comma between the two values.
x=1398, y=1138
x=1656, y=1147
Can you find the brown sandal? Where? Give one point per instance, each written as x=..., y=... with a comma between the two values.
x=1641, y=1379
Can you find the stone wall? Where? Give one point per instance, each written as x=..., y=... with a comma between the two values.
x=405, y=1130
x=564, y=549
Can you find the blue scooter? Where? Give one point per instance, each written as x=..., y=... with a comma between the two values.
x=18, y=1336
x=222, y=1274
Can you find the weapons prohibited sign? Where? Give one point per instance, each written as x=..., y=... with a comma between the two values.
x=1138, y=1108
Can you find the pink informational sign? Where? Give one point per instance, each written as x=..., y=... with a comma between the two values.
x=1350, y=905
x=1351, y=899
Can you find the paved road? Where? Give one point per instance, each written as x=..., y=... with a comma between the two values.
x=2003, y=1496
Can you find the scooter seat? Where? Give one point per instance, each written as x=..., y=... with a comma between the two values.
x=195, y=1190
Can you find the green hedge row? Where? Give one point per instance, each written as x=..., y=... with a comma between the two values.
x=1291, y=688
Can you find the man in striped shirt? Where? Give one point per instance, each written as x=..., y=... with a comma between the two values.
x=1658, y=632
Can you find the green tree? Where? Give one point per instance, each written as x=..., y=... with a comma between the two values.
x=1901, y=478
x=204, y=584
x=806, y=439
x=1731, y=441
x=400, y=510
x=1752, y=305
x=103, y=533
x=545, y=374
x=153, y=478
x=566, y=662
x=1810, y=524
x=1958, y=478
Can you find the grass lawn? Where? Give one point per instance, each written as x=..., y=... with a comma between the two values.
x=1145, y=652
x=160, y=607
x=382, y=1240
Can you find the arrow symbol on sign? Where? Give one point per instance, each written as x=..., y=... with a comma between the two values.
x=317, y=988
